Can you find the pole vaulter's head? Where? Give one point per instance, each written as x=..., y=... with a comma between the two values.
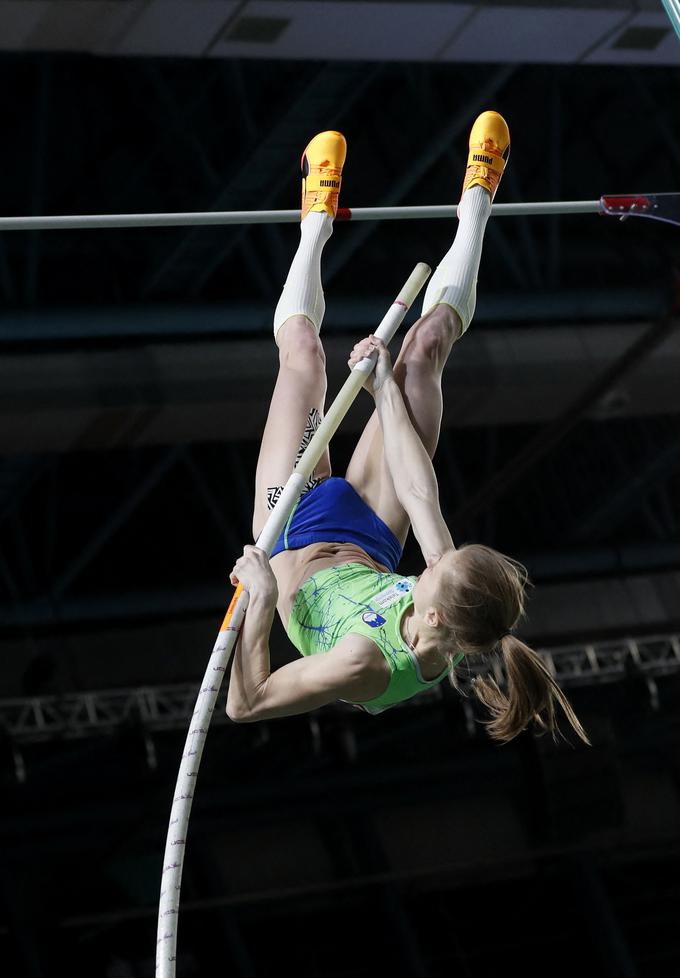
x=472, y=598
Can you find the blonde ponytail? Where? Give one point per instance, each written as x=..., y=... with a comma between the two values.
x=480, y=605
x=532, y=695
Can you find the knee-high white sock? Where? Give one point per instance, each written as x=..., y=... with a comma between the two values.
x=455, y=279
x=302, y=294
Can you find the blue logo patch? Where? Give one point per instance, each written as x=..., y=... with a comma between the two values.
x=373, y=619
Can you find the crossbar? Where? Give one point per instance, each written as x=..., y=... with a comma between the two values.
x=220, y=218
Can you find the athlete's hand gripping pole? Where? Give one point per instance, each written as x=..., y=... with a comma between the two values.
x=205, y=703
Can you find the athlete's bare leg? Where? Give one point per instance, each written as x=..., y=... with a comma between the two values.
x=297, y=403
x=296, y=407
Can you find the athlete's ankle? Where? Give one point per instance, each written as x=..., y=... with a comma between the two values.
x=318, y=224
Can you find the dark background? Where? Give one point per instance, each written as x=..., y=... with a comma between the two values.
x=135, y=372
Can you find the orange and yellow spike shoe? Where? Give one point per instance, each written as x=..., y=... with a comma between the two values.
x=489, y=151
x=322, y=173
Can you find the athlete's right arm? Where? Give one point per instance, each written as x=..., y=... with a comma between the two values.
x=354, y=670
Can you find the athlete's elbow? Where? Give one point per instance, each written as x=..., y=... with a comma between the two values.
x=236, y=714
x=240, y=711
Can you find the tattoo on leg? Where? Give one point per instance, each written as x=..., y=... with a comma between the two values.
x=311, y=425
x=273, y=494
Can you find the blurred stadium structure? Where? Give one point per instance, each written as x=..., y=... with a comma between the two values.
x=406, y=844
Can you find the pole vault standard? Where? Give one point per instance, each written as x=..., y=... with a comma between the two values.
x=662, y=207
x=173, y=858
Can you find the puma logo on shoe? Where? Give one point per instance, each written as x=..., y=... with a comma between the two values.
x=478, y=158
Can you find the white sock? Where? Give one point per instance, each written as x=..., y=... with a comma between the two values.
x=455, y=279
x=302, y=294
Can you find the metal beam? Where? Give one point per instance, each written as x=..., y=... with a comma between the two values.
x=159, y=393
x=128, y=179
x=553, y=433
x=96, y=713
x=606, y=560
x=628, y=495
x=170, y=320
x=266, y=169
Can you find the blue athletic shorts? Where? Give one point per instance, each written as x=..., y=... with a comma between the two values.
x=334, y=512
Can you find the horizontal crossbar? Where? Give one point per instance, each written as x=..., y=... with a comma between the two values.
x=220, y=218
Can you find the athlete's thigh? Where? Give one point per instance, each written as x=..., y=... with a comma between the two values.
x=295, y=413
x=280, y=452
x=287, y=433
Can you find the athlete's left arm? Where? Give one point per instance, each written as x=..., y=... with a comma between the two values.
x=413, y=475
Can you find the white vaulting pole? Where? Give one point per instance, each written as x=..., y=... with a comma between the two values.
x=175, y=845
x=221, y=218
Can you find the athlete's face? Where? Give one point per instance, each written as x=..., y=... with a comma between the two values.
x=432, y=582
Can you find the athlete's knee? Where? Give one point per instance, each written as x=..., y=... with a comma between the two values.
x=300, y=345
x=434, y=336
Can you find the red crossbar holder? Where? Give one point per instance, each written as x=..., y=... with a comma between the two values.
x=660, y=207
x=625, y=204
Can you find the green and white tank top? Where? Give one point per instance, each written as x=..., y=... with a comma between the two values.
x=354, y=599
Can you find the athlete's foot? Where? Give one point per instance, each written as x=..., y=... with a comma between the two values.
x=321, y=164
x=489, y=151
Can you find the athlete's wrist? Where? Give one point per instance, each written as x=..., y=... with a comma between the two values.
x=263, y=599
x=388, y=388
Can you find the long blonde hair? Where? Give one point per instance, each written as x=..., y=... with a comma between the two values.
x=480, y=606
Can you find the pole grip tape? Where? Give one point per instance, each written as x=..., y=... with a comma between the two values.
x=230, y=610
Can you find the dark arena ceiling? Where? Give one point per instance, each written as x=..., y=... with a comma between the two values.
x=136, y=368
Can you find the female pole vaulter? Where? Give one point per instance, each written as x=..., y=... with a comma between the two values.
x=368, y=635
